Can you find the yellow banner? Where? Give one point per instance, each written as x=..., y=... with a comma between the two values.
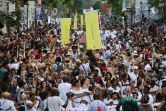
x=82, y=20
x=65, y=30
x=75, y=21
x=93, y=39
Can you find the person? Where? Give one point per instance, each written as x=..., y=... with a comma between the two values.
x=128, y=103
x=144, y=106
x=53, y=103
x=64, y=88
x=31, y=103
x=146, y=91
x=162, y=106
x=6, y=103
x=97, y=104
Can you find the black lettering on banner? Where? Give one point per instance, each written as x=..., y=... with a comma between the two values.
x=92, y=32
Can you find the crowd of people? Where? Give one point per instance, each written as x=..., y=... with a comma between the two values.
x=38, y=73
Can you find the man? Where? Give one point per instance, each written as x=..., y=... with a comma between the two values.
x=146, y=91
x=128, y=103
x=31, y=104
x=133, y=75
x=64, y=88
x=97, y=104
x=162, y=106
x=54, y=102
x=3, y=69
x=6, y=103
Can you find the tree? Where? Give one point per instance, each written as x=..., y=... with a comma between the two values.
x=97, y=5
x=116, y=6
x=78, y=6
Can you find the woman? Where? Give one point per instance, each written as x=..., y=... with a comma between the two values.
x=114, y=98
x=108, y=99
x=78, y=92
x=114, y=87
x=44, y=86
x=107, y=78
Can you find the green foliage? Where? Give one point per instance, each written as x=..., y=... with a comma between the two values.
x=97, y=5
x=116, y=6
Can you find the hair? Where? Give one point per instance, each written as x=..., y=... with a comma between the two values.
x=75, y=82
x=43, y=95
x=147, y=88
x=5, y=77
x=20, y=82
x=58, y=59
x=31, y=95
x=83, y=80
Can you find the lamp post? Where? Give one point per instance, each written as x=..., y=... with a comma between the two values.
x=35, y=19
x=27, y=15
x=149, y=3
x=141, y=3
x=8, y=24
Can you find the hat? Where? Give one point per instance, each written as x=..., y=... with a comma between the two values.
x=78, y=61
x=135, y=67
x=6, y=95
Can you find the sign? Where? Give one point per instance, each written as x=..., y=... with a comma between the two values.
x=39, y=15
x=93, y=39
x=82, y=20
x=65, y=30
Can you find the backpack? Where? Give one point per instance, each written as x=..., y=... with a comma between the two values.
x=129, y=105
x=59, y=67
x=163, y=106
x=76, y=71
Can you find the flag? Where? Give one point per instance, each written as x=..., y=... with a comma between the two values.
x=93, y=39
x=82, y=19
x=22, y=10
x=65, y=30
x=75, y=21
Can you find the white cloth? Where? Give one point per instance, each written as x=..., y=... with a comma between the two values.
x=114, y=90
x=94, y=105
x=7, y=105
x=85, y=69
x=54, y=103
x=34, y=108
x=64, y=88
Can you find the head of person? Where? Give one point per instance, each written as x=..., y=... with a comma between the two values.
x=146, y=89
x=145, y=99
x=124, y=77
x=77, y=83
x=6, y=95
x=85, y=81
x=58, y=59
x=135, y=69
x=32, y=96
x=54, y=91
x=96, y=96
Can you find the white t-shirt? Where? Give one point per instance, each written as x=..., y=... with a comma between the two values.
x=114, y=90
x=64, y=88
x=53, y=103
x=7, y=105
x=85, y=69
x=34, y=108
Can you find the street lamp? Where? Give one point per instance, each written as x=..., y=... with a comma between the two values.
x=149, y=3
x=8, y=25
x=27, y=15
x=141, y=3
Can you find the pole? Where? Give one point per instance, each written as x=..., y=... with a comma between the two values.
x=27, y=15
x=8, y=25
x=131, y=17
x=35, y=20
